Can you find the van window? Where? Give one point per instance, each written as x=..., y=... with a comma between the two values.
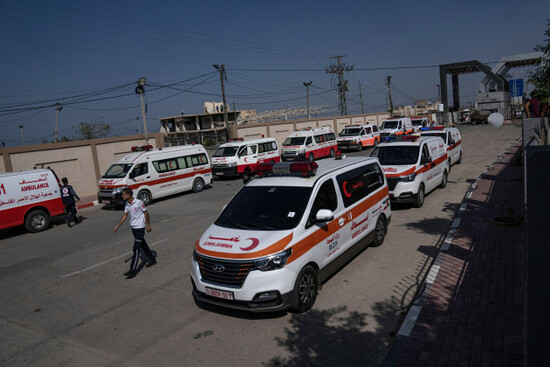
x=326, y=199
x=368, y=130
x=172, y=164
x=375, y=128
x=225, y=152
x=266, y=147
x=359, y=183
x=309, y=141
x=426, y=152
x=139, y=170
x=331, y=136
x=319, y=138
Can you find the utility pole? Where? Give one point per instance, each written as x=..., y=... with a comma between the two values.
x=438, y=93
x=388, y=83
x=141, y=91
x=223, y=75
x=307, y=85
x=22, y=136
x=58, y=108
x=138, y=129
x=361, y=96
x=339, y=69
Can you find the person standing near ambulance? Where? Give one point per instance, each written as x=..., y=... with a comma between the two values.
x=139, y=221
x=69, y=197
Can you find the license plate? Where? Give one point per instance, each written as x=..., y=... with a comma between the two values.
x=219, y=173
x=220, y=294
x=105, y=201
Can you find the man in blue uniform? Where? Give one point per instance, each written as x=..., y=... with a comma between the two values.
x=69, y=198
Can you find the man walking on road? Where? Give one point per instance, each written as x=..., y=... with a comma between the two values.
x=139, y=221
x=69, y=197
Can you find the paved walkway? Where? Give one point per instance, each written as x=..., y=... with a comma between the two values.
x=471, y=310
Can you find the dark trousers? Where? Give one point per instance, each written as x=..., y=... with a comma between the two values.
x=140, y=244
x=70, y=209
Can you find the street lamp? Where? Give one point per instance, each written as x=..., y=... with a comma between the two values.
x=141, y=91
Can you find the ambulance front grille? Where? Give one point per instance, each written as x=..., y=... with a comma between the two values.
x=227, y=273
x=392, y=182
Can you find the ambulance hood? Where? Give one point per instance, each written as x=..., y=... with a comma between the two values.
x=231, y=243
x=395, y=171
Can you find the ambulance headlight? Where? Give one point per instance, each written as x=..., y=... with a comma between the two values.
x=301, y=151
x=118, y=190
x=273, y=262
x=232, y=164
x=409, y=178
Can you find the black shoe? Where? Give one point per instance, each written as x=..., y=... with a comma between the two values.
x=151, y=263
x=130, y=274
x=68, y=223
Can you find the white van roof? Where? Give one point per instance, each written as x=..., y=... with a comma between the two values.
x=238, y=143
x=326, y=166
x=414, y=140
x=20, y=173
x=135, y=156
x=309, y=132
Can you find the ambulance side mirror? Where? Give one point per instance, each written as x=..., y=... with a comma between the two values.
x=324, y=215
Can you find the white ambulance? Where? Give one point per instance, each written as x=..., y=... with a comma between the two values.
x=241, y=157
x=153, y=174
x=29, y=198
x=413, y=166
x=395, y=126
x=359, y=136
x=309, y=144
x=287, y=231
x=452, y=139
x=419, y=122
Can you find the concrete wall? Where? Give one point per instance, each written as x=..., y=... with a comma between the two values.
x=281, y=129
x=82, y=162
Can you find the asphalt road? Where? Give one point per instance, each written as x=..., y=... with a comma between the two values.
x=64, y=300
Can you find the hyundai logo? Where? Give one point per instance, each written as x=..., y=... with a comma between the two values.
x=218, y=268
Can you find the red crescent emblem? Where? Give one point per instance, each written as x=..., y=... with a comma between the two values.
x=255, y=243
x=348, y=194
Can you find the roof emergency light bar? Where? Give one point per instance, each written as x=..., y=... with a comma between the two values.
x=141, y=148
x=304, y=169
x=411, y=137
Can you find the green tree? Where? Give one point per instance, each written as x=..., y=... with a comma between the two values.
x=540, y=77
x=91, y=130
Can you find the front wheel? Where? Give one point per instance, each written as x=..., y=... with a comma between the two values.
x=36, y=221
x=145, y=196
x=305, y=289
x=459, y=158
x=198, y=185
x=247, y=176
x=419, y=199
x=379, y=231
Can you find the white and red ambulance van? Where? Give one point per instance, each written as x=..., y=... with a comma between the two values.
x=414, y=166
x=452, y=139
x=29, y=198
x=395, y=126
x=153, y=174
x=286, y=231
x=240, y=157
x=419, y=122
x=309, y=144
x=358, y=136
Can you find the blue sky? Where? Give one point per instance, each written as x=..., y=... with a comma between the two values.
x=56, y=50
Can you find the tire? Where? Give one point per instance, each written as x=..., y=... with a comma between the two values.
x=305, y=289
x=449, y=165
x=379, y=231
x=36, y=221
x=246, y=175
x=145, y=196
x=198, y=185
x=459, y=158
x=443, y=180
x=311, y=157
x=331, y=154
x=419, y=199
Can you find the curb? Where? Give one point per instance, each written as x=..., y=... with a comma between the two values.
x=87, y=205
x=414, y=311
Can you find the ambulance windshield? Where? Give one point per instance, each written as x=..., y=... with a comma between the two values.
x=389, y=125
x=265, y=208
x=417, y=122
x=350, y=131
x=117, y=171
x=225, y=152
x=298, y=140
x=395, y=155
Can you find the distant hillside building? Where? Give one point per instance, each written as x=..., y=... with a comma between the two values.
x=206, y=128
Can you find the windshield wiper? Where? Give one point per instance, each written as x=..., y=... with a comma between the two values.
x=258, y=226
x=240, y=226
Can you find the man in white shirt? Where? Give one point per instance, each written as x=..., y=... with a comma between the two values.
x=139, y=221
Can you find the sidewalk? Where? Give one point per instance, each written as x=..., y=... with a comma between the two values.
x=87, y=201
x=471, y=309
